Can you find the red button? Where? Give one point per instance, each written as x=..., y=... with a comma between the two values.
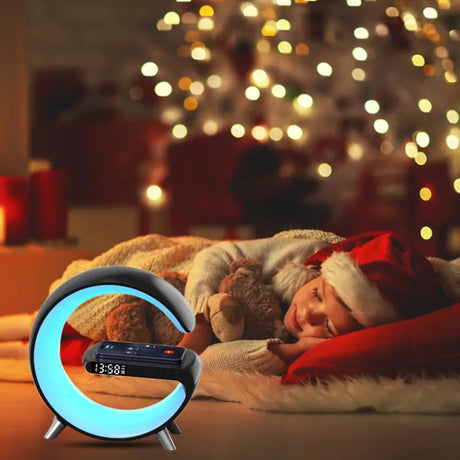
x=168, y=351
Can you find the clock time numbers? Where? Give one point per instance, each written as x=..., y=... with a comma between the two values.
x=109, y=369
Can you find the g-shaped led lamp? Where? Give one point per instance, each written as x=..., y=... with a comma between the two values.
x=71, y=406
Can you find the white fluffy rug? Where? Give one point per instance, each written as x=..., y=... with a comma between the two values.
x=265, y=393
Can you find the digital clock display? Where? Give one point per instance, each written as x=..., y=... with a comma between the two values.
x=109, y=369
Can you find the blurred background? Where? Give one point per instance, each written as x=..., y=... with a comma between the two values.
x=228, y=119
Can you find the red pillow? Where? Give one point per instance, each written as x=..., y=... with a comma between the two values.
x=73, y=346
x=429, y=344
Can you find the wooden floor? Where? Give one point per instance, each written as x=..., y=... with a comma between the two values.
x=216, y=430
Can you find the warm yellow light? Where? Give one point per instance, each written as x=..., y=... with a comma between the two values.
x=237, y=130
x=278, y=91
x=252, y=93
x=381, y=126
x=206, y=10
x=452, y=141
x=269, y=29
x=162, y=26
x=392, y=12
x=450, y=76
x=276, y=134
x=260, y=78
x=411, y=149
x=284, y=47
x=358, y=74
x=206, y=24
x=353, y=3
x=283, y=24
x=418, y=60
x=260, y=133
x=426, y=232
x=452, y=116
x=283, y=2
x=441, y=52
x=425, y=194
x=190, y=103
x=263, y=46
x=184, y=83
x=324, y=69
x=422, y=138
x=149, y=69
x=179, y=131
x=163, y=89
x=355, y=151
x=410, y=23
x=200, y=53
x=171, y=115
x=171, y=18
x=210, y=127
x=304, y=100
x=430, y=13
x=154, y=193
x=425, y=105
x=361, y=33
x=294, y=132
x=447, y=64
x=371, y=106
x=381, y=30
x=214, y=81
x=359, y=53
x=302, y=49
x=456, y=185
x=324, y=169
x=249, y=10
x=197, y=88
x=421, y=158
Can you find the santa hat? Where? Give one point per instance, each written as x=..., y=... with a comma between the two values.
x=381, y=280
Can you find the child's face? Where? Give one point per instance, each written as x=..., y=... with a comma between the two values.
x=316, y=311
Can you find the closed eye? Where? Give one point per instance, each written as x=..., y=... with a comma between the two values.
x=316, y=294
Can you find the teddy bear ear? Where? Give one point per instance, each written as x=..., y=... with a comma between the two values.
x=247, y=266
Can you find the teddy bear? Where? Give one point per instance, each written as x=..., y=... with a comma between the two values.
x=137, y=321
x=244, y=308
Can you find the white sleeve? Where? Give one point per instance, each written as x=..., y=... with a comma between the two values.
x=212, y=264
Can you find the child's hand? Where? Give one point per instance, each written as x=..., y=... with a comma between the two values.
x=289, y=352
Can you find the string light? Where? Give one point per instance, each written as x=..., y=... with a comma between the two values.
x=359, y=53
x=361, y=33
x=411, y=149
x=179, y=131
x=278, y=91
x=276, y=134
x=456, y=185
x=452, y=141
x=252, y=93
x=324, y=169
x=163, y=89
x=426, y=232
x=149, y=69
x=324, y=69
x=171, y=18
x=283, y=24
x=358, y=74
x=249, y=10
x=425, y=194
x=421, y=158
x=371, y=106
x=197, y=88
x=154, y=193
x=206, y=10
x=237, y=130
x=381, y=126
x=260, y=78
x=418, y=60
x=259, y=133
x=214, y=81
x=284, y=47
x=294, y=132
x=430, y=13
x=425, y=105
x=355, y=151
x=210, y=127
x=452, y=116
x=206, y=24
x=422, y=138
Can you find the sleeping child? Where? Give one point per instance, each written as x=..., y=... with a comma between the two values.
x=331, y=289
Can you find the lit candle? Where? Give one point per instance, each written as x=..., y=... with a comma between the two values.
x=2, y=226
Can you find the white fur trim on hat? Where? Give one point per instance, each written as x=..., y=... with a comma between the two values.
x=448, y=275
x=291, y=278
x=362, y=296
